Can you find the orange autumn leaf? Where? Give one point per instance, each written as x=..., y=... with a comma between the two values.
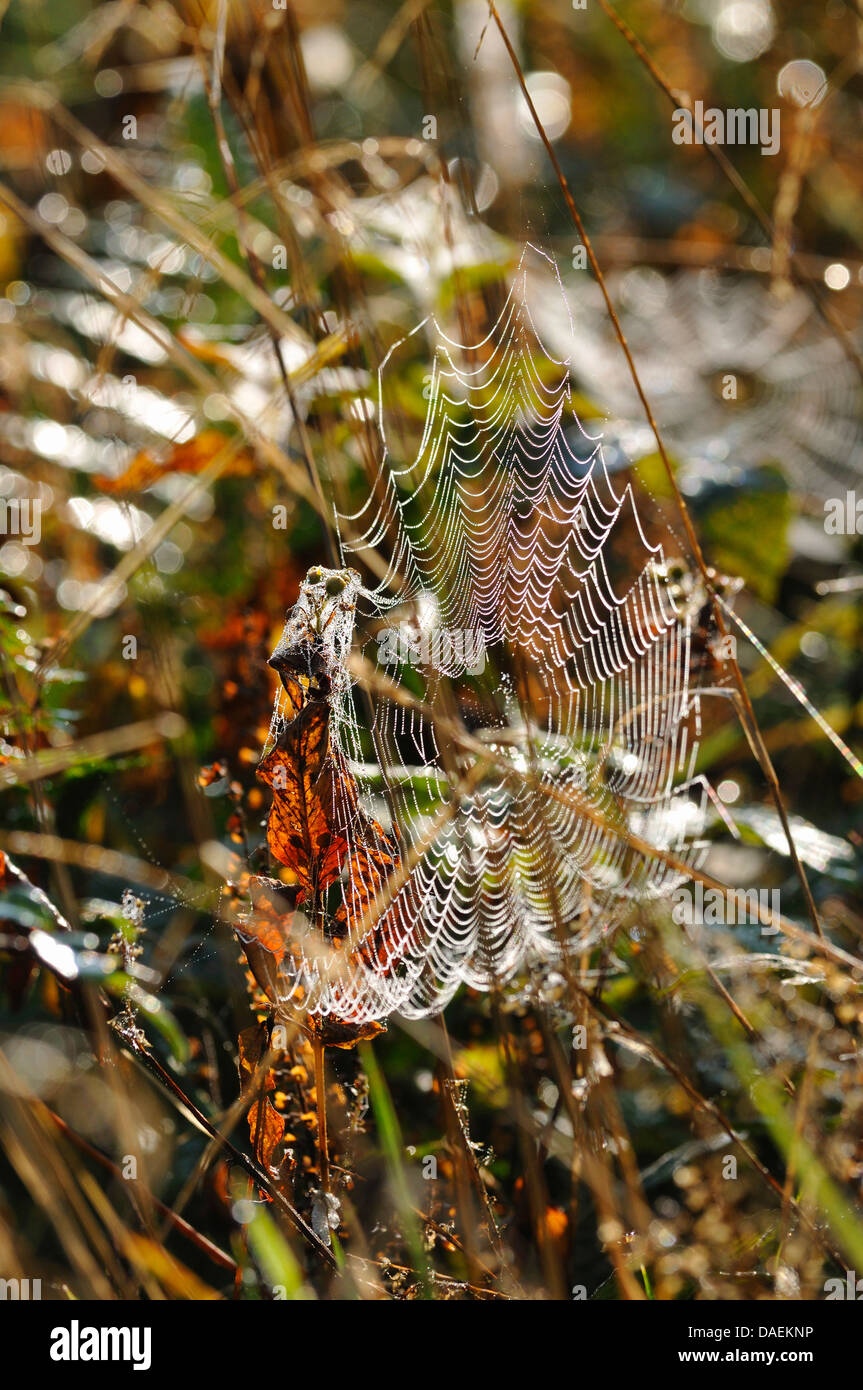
x=252, y=1044
x=318, y=830
x=266, y=1133
x=193, y=456
x=213, y=775
x=265, y=935
x=369, y=867
x=345, y=1033
x=265, y=932
x=266, y=1125
x=24, y=136
x=311, y=790
x=273, y=904
x=556, y=1223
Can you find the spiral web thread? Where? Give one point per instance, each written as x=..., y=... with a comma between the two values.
x=507, y=526
x=698, y=335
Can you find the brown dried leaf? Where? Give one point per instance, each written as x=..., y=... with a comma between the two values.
x=311, y=793
x=315, y=827
x=266, y=1125
x=266, y=1133
x=190, y=457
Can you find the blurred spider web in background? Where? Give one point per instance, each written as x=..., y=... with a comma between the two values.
x=736, y=377
x=584, y=709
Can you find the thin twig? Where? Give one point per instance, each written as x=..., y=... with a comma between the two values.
x=321, y=1104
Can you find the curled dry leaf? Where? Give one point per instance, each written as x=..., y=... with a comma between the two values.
x=309, y=788
x=190, y=457
x=266, y=1125
x=321, y=835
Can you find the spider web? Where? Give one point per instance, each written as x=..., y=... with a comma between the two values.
x=697, y=334
x=507, y=539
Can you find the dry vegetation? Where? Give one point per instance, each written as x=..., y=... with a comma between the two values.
x=216, y=220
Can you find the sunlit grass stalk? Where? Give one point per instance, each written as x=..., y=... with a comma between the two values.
x=393, y=1147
